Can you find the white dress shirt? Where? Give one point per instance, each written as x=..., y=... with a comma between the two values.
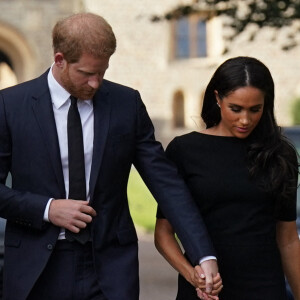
x=61, y=103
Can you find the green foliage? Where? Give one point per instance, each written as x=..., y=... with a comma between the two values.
x=141, y=202
x=296, y=111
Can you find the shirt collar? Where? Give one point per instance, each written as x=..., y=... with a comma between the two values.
x=58, y=94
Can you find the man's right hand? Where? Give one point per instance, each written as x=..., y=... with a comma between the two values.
x=71, y=214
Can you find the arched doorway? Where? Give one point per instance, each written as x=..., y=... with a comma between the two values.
x=16, y=56
x=7, y=75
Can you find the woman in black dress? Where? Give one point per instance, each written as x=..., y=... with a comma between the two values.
x=243, y=175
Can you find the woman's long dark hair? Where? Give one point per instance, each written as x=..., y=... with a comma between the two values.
x=270, y=156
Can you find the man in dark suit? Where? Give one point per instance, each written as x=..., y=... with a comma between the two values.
x=62, y=246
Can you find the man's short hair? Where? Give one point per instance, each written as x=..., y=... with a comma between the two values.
x=83, y=33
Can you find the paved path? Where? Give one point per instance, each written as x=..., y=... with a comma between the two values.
x=158, y=279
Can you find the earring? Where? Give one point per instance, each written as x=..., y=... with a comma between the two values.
x=218, y=104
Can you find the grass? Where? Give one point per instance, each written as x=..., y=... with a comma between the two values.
x=141, y=203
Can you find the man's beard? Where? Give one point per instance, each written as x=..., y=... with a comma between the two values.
x=80, y=93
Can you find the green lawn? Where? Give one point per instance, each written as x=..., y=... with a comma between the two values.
x=141, y=202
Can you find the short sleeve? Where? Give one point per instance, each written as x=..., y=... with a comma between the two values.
x=159, y=214
x=287, y=212
x=287, y=208
x=173, y=154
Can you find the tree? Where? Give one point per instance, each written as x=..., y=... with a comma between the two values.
x=263, y=13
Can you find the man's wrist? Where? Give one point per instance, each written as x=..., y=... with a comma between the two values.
x=205, y=258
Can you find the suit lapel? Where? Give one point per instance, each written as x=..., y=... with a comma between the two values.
x=102, y=109
x=43, y=111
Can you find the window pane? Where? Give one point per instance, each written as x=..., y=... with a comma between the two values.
x=201, y=39
x=182, y=38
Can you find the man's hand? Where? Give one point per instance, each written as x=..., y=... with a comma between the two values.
x=71, y=214
x=210, y=270
x=201, y=287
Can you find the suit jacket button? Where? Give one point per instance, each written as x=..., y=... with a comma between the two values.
x=50, y=247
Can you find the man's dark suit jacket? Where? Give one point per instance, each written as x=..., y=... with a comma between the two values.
x=123, y=135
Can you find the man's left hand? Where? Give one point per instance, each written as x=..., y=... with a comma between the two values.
x=208, y=271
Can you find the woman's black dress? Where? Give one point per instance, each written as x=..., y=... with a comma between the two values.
x=240, y=217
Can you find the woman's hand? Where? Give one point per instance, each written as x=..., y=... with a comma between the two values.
x=168, y=246
x=204, y=296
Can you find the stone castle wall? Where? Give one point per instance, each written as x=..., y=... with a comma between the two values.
x=143, y=59
x=28, y=24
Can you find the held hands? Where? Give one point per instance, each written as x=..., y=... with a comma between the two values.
x=71, y=214
x=207, y=280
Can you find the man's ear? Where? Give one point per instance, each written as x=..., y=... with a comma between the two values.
x=59, y=60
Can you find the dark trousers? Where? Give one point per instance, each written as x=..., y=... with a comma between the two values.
x=69, y=275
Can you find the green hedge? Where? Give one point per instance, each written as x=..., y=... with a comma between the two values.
x=141, y=203
x=296, y=111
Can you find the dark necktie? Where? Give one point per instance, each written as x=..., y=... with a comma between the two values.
x=77, y=184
